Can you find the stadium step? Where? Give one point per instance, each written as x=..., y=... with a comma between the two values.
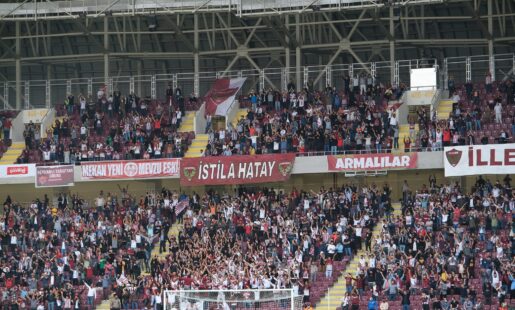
x=105, y=305
x=173, y=232
x=197, y=146
x=443, y=110
x=187, y=122
x=404, y=132
x=12, y=154
x=332, y=298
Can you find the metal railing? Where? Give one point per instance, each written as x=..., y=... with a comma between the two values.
x=46, y=93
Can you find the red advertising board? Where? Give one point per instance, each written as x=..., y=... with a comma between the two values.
x=130, y=169
x=54, y=176
x=228, y=170
x=17, y=171
x=371, y=162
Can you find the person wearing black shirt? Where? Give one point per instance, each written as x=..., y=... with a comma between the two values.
x=454, y=304
x=405, y=299
x=291, y=87
x=487, y=292
x=436, y=304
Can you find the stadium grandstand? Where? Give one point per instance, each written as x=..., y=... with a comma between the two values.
x=268, y=154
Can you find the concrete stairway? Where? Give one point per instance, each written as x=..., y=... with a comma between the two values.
x=444, y=109
x=12, y=154
x=105, y=305
x=332, y=298
x=187, y=122
x=197, y=146
x=173, y=232
x=237, y=117
x=404, y=132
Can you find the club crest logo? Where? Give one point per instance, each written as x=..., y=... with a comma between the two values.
x=453, y=156
x=189, y=172
x=130, y=169
x=285, y=168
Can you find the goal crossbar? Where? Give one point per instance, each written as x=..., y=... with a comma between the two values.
x=269, y=299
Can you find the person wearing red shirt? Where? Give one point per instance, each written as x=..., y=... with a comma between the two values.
x=7, y=124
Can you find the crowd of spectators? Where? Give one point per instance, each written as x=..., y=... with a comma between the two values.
x=270, y=239
x=357, y=117
x=449, y=250
x=66, y=253
x=482, y=113
x=361, y=117
x=110, y=127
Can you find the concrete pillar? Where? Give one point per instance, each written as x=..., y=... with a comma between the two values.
x=106, y=53
x=196, y=59
x=287, y=49
x=491, y=58
x=392, y=46
x=139, y=70
x=298, y=56
x=18, y=66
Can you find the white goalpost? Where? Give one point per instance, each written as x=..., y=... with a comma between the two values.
x=269, y=299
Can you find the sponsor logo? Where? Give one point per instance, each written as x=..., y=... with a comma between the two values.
x=131, y=169
x=285, y=168
x=17, y=170
x=189, y=172
x=453, y=156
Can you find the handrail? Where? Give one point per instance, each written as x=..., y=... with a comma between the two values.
x=435, y=100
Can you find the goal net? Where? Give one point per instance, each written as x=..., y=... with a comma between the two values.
x=273, y=299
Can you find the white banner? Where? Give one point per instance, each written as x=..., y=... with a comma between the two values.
x=17, y=171
x=479, y=159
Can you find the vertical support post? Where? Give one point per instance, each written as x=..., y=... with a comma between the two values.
x=90, y=87
x=491, y=57
x=174, y=81
x=396, y=79
x=68, y=87
x=131, y=85
x=468, y=69
x=287, y=49
x=27, y=95
x=392, y=49
x=284, y=79
x=445, y=73
x=351, y=71
x=49, y=75
x=106, y=49
x=262, y=79
x=292, y=300
x=6, y=95
x=139, y=70
x=196, y=58
x=48, y=89
x=373, y=72
x=196, y=83
x=306, y=77
x=298, y=56
x=153, y=86
x=328, y=76
x=18, y=66
x=110, y=89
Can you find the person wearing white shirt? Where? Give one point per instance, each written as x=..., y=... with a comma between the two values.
x=498, y=113
x=92, y=294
